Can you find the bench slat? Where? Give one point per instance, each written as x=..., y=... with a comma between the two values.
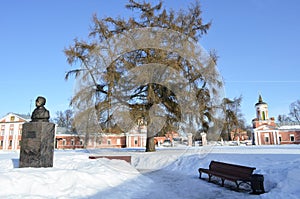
x=231, y=169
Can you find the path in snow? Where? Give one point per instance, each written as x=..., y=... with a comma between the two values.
x=167, y=184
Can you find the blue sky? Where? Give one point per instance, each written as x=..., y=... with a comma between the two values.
x=257, y=42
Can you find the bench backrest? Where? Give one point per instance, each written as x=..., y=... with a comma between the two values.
x=232, y=169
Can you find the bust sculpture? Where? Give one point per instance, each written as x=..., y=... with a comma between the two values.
x=37, y=148
x=40, y=113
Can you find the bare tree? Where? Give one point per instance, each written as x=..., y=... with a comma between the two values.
x=65, y=119
x=295, y=111
x=284, y=119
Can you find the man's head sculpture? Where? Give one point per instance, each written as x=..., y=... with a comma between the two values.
x=40, y=101
x=40, y=113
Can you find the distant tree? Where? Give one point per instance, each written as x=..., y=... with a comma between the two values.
x=249, y=129
x=233, y=117
x=64, y=119
x=141, y=99
x=293, y=116
x=295, y=111
x=284, y=119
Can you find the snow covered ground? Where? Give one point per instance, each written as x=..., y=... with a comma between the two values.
x=166, y=173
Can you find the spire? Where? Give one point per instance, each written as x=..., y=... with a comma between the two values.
x=260, y=100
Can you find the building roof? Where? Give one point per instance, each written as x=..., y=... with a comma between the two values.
x=64, y=130
x=289, y=127
x=22, y=117
x=265, y=127
x=260, y=101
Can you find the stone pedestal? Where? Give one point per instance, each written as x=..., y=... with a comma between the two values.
x=37, y=144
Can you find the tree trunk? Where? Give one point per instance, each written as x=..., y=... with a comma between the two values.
x=150, y=145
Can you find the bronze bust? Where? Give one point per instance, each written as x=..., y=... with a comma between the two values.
x=40, y=113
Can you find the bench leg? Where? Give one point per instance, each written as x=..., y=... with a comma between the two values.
x=223, y=180
x=209, y=177
x=237, y=185
x=200, y=174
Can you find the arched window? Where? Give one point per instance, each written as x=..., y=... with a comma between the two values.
x=263, y=115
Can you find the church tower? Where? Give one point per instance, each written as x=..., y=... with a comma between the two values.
x=262, y=114
x=261, y=109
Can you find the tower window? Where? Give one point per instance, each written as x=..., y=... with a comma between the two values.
x=263, y=115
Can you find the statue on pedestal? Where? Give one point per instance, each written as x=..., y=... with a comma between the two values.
x=37, y=143
x=40, y=113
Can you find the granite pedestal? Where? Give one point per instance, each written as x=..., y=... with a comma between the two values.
x=37, y=144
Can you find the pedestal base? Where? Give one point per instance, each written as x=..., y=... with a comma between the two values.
x=37, y=144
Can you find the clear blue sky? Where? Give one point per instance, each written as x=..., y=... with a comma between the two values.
x=257, y=41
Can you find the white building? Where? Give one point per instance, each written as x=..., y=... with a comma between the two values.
x=11, y=130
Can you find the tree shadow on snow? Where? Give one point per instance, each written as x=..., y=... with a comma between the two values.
x=167, y=183
x=15, y=162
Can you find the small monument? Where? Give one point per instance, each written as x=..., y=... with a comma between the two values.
x=190, y=139
x=37, y=144
x=204, y=139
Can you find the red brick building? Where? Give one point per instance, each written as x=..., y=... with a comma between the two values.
x=239, y=135
x=67, y=140
x=134, y=138
x=267, y=132
x=11, y=134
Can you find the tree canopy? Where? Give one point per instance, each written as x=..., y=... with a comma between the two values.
x=148, y=66
x=233, y=120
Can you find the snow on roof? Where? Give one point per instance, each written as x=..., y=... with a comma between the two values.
x=25, y=116
x=64, y=131
x=20, y=116
x=289, y=127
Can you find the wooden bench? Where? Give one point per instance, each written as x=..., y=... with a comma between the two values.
x=126, y=158
x=235, y=173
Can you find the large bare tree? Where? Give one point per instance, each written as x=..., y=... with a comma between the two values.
x=148, y=66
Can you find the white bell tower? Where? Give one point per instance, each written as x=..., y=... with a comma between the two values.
x=261, y=110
